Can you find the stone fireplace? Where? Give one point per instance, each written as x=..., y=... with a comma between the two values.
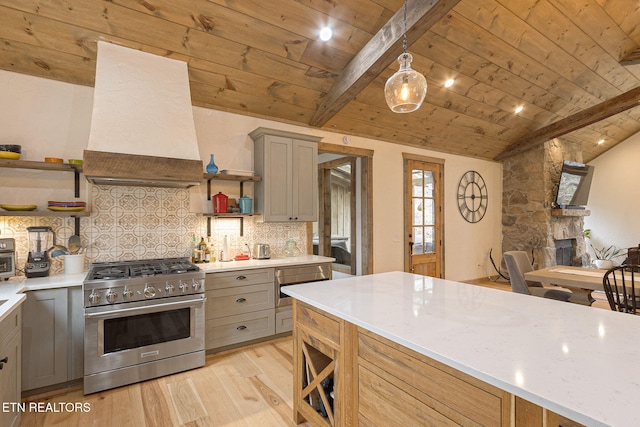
x=529, y=221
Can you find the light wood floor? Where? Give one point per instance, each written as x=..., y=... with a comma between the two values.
x=247, y=387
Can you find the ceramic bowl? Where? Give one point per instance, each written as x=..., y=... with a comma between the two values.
x=11, y=148
x=74, y=161
x=53, y=160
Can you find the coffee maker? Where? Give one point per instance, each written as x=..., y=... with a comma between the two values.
x=38, y=262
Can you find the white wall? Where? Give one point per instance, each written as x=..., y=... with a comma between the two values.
x=614, y=201
x=52, y=119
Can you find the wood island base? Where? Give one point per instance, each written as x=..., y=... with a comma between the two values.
x=345, y=375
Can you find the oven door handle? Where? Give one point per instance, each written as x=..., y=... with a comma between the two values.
x=165, y=306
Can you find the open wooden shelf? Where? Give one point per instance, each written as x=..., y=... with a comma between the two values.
x=28, y=164
x=44, y=213
x=46, y=166
x=225, y=177
x=227, y=215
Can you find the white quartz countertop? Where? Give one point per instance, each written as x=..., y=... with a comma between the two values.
x=215, y=267
x=575, y=360
x=12, y=290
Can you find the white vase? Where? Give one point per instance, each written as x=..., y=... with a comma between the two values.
x=603, y=264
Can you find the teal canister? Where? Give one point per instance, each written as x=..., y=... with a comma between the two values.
x=245, y=204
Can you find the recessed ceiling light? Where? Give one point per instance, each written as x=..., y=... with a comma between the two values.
x=601, y=142
x=449, y=83
x=325, y=34
x=519, y=109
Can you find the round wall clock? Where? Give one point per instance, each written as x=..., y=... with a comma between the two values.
x=472, y=196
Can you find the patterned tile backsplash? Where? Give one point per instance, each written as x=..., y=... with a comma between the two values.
x=129, y=223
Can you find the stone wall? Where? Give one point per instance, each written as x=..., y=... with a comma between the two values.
x=530, y=182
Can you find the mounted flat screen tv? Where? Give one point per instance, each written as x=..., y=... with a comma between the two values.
x=575, y=182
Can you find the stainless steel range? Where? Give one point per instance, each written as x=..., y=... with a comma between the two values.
x=143, y=319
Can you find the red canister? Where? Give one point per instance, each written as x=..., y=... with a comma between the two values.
x=220, y=203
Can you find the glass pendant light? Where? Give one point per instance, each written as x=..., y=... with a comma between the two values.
x=407, y=88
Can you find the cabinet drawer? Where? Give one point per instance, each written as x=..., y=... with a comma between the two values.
x=239, y=300
x=237, y=329
x=229, y=279
x=319, y=324
x=10, y=324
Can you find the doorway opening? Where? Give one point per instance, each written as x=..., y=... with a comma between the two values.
x=344, y=226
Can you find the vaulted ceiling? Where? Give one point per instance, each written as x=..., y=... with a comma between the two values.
x=570, y=64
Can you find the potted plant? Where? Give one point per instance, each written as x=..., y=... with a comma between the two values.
x=604, y=256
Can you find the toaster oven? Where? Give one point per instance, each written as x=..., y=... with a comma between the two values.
x=7, y=258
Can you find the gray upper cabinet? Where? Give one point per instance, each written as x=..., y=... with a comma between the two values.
x=288, y=164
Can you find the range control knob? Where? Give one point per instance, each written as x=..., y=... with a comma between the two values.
x=169, y=288
x=149, y=291
x=126, y=294
x=183, y=286
x=112, y=296
x=195, y=285
x=94, y=298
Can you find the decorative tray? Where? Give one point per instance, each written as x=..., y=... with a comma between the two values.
x=67, y=204
x=236, y=172
x=18, y=207
x=66, y=209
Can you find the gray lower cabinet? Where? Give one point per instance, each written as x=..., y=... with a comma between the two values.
x=52, y=338
x=10, y=347
x=284, y=319
x=240, y=306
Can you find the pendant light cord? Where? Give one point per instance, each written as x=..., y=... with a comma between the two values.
x=404, y=41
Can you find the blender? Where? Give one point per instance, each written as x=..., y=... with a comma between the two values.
x=38, y=262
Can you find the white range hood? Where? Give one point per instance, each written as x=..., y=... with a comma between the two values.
x=142, y=131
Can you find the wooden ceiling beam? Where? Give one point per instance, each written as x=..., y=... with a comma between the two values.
x=586, y=117
x=383, y=48
x=631, y=58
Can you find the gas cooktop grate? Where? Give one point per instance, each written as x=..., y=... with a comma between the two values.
x=142, y=268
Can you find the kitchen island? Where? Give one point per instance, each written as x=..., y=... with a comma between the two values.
x=396, y=348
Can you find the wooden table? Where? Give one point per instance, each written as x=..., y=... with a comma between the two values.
x=581, y=281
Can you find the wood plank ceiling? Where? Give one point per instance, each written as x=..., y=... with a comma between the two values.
x=556, y=58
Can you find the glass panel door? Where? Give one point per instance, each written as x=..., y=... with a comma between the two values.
x=423, y=218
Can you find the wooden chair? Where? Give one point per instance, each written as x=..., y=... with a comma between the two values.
x=517, y=264
x=619, y=286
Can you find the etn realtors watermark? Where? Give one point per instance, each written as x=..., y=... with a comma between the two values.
x=46, y=407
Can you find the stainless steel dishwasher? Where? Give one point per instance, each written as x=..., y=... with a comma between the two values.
x=287, y=276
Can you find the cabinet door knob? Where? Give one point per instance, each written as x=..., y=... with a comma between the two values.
x=241, y=300
x=241, y=327
x=3, y=361
x=241, y=277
